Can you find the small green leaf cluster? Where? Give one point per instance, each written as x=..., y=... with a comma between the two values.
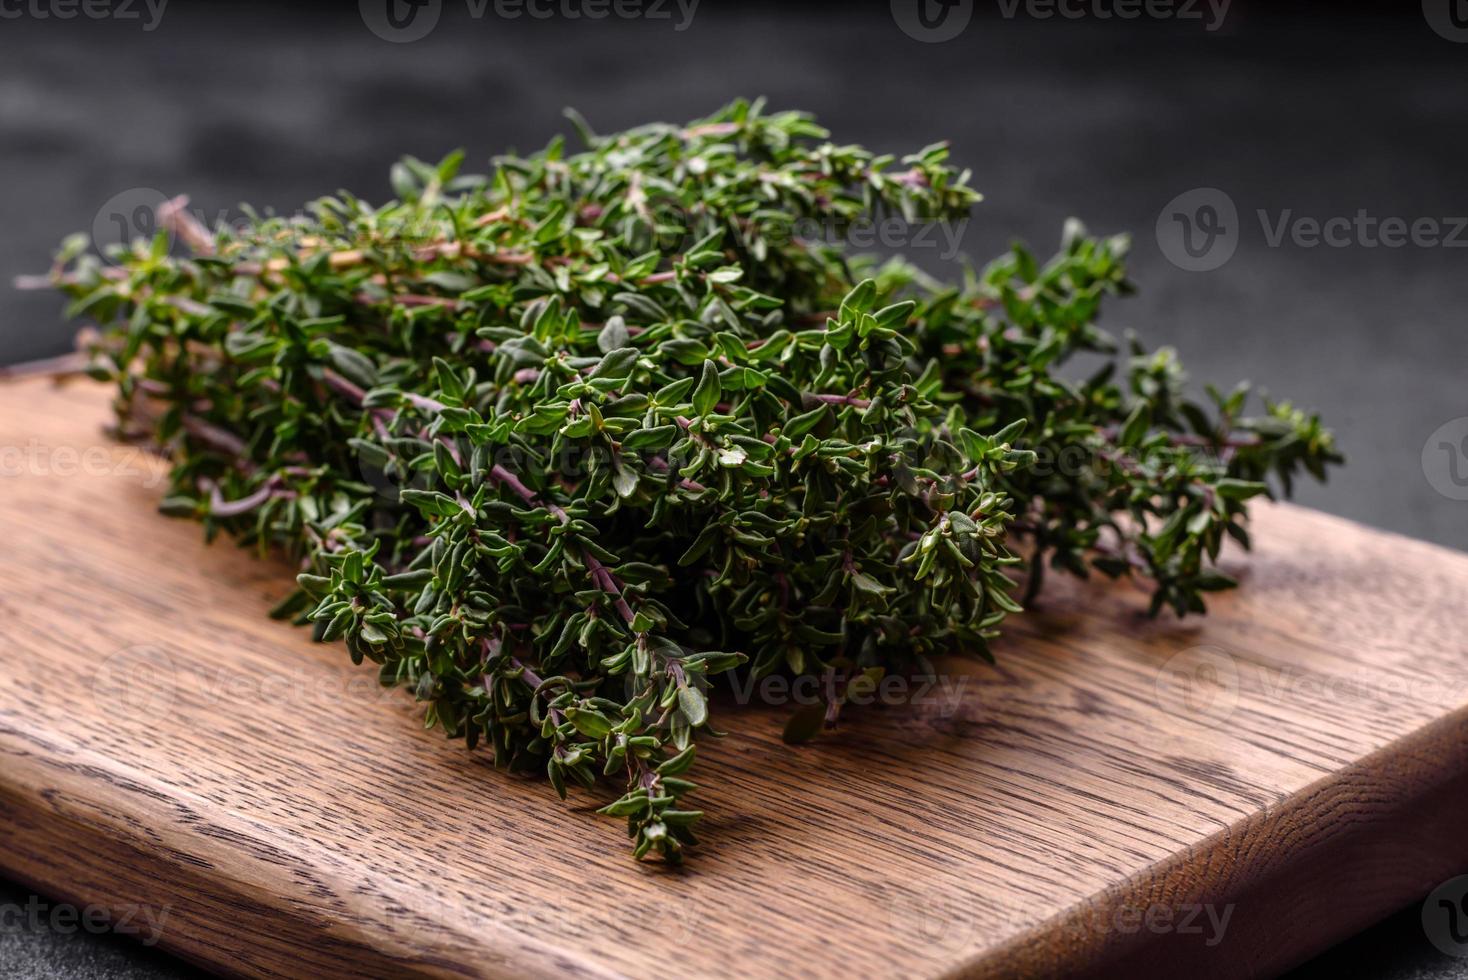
x=556, y=447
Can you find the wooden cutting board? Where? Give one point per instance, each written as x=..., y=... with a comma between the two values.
x=1221, y=796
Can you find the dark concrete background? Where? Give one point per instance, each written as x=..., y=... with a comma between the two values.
x=1316, y=109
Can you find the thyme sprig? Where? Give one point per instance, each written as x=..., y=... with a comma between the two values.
x=555, y=446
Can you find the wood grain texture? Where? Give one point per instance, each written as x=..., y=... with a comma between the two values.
x=1097, y=802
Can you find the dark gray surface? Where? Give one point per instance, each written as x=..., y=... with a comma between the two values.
x=1311, y=109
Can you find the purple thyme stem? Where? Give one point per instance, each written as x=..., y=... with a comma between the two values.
x=356, y=395
x=213, y=435
x=527, y=676
x=530, y=676
x=842, y=400
x=219, y=507
x=513, y=482
x=661, y=465
x=57, y=279
x=599, y=573
x=411, y=299
x=1111, y=432
x=426, y=404
x=711, y=129
x=75, y=363
x=171, y=215
x=608, y=584
x=342, y=386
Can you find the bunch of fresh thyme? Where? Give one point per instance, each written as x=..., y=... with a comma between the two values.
x=554, y=446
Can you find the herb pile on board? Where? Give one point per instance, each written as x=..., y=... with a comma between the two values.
x=556, y=446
